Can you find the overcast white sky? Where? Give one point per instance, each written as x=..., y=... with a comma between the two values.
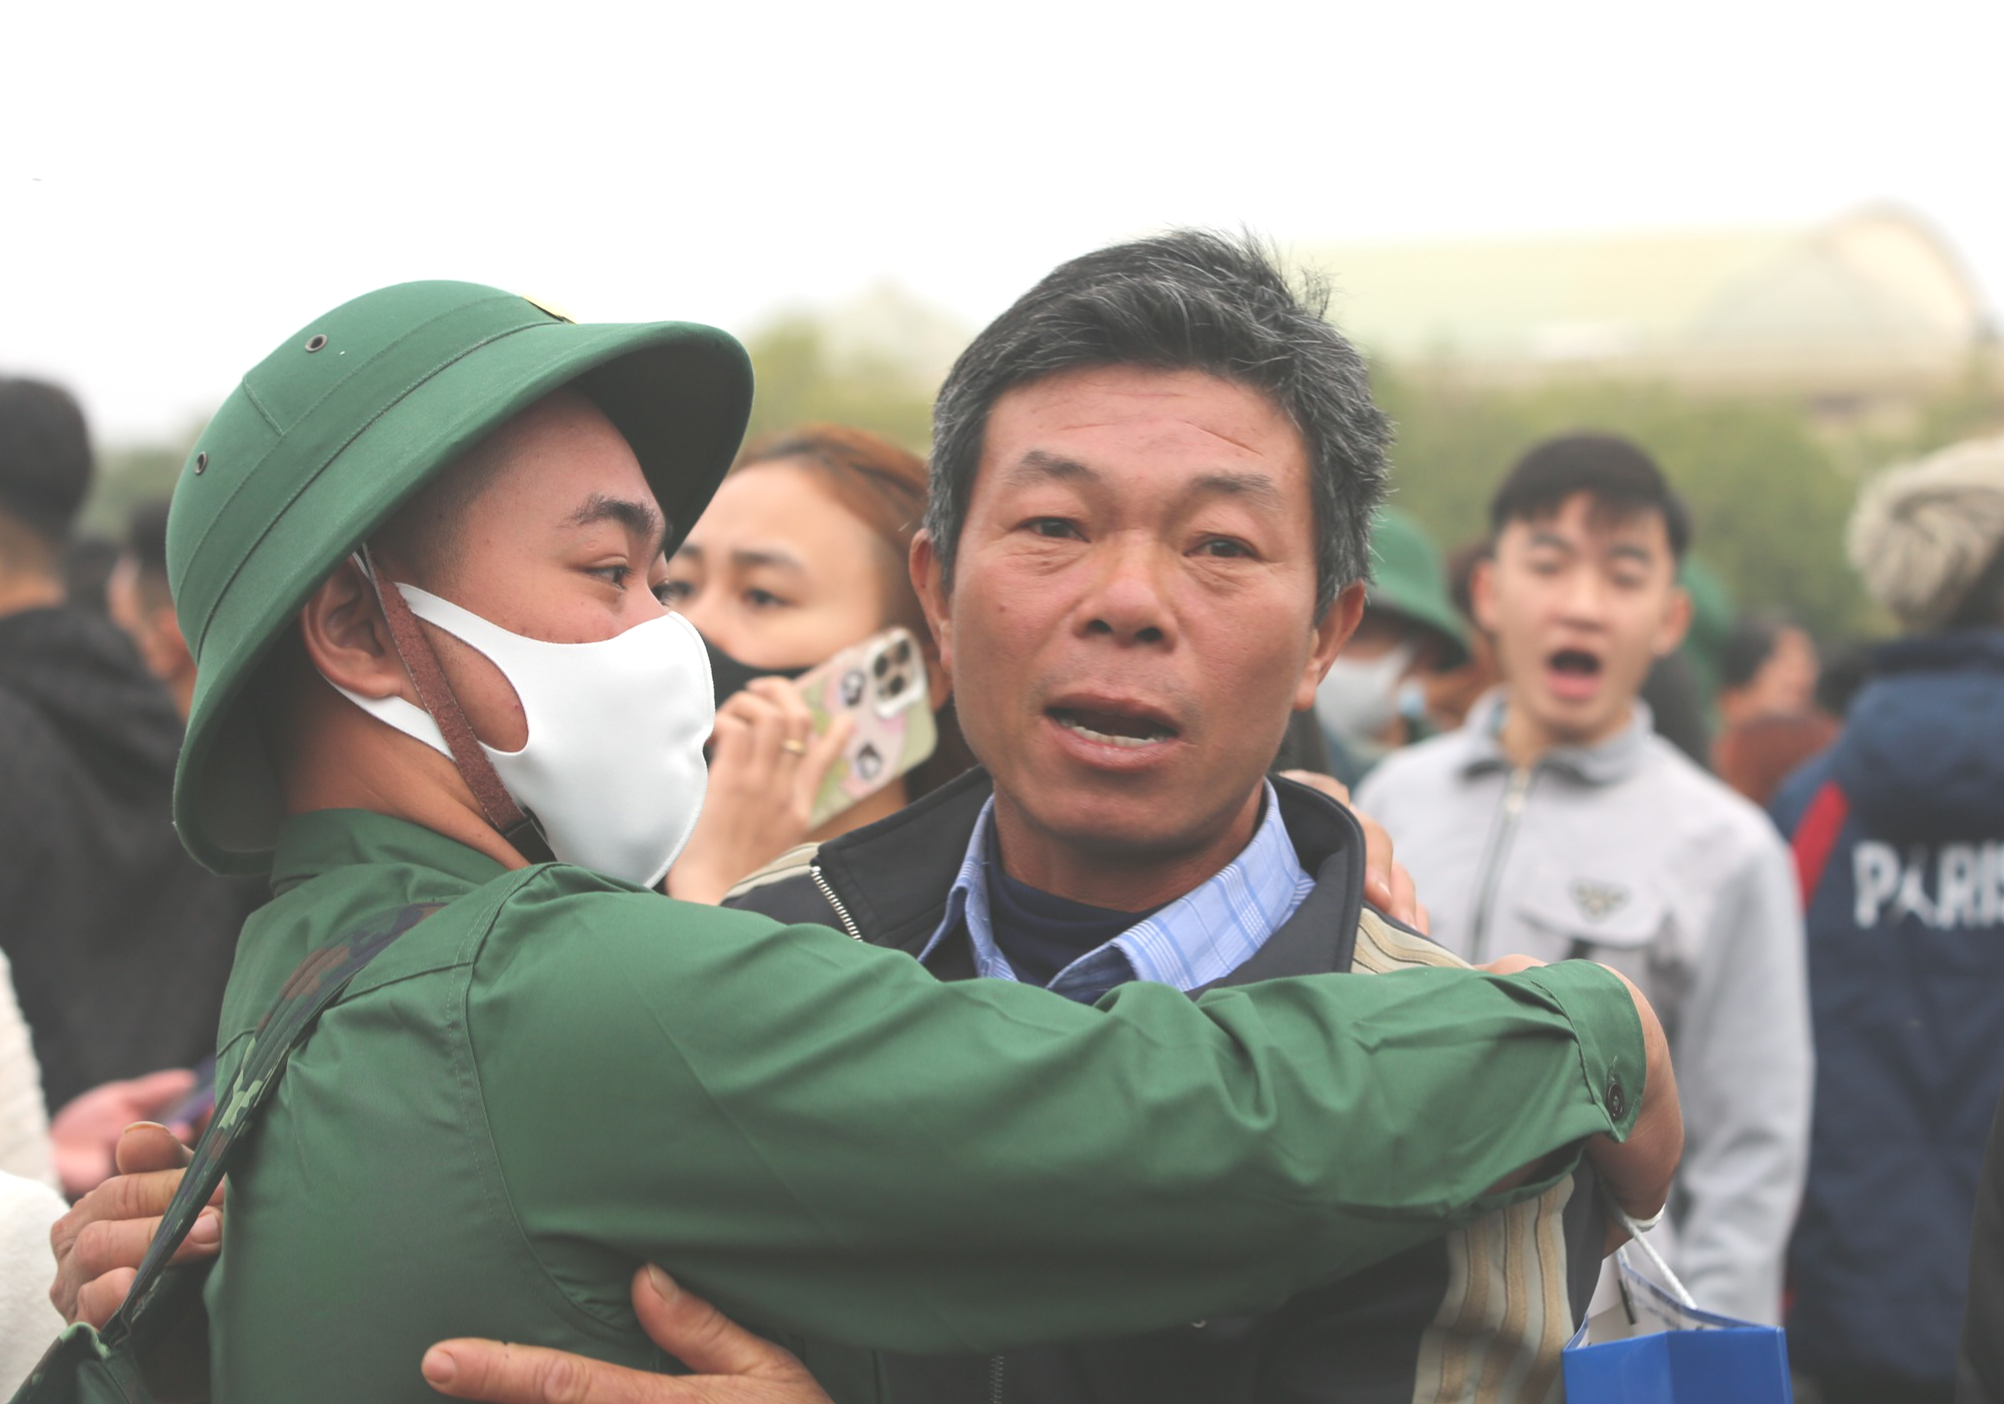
x=182, y=186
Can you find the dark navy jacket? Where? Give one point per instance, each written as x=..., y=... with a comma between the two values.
x=1899, y=832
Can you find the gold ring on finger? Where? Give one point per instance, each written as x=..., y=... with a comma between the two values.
x=793, y=747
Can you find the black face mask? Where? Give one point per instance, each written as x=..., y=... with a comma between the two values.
x=731, y=676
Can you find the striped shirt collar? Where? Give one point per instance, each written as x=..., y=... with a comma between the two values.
x=1202, y=936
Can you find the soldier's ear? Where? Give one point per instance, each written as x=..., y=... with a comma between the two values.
x=345, y=636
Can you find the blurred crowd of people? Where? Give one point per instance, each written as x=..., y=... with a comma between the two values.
x=1792, y=847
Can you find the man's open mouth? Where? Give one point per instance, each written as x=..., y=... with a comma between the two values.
x=1124, y=729
x=1575, y=662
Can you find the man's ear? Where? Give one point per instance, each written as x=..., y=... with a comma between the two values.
x=342, y=627
x=928, y=580
x=1332, y=631
x=1482, y=594
x=1676, y=622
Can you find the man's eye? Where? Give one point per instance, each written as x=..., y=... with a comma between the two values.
x=671, y=592
x=1224, y=548
x=613, y=575
x=762, y=599
x=1053, y=527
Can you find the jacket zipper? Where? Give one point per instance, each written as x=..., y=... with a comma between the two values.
x=841, y=911
x=995, y=1367
x=1492, y=871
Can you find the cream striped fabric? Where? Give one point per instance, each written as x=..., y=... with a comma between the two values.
x=792, y=863
x=1505, y=1316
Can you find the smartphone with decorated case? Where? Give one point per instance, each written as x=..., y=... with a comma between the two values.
x=881, y=684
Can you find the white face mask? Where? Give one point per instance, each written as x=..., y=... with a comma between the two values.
x=613, y=769
x=1359, y=698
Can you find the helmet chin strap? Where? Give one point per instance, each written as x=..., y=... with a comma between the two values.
x=509, y=819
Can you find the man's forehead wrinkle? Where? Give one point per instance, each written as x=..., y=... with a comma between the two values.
x=1039, y=465
x=1258, y=487
x=1154, y=427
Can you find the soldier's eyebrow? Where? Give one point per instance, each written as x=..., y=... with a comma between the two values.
x=642, y=520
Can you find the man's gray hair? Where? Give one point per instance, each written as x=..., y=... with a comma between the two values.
x=1186, y=300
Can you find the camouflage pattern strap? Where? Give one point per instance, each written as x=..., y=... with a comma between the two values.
x=316, y=984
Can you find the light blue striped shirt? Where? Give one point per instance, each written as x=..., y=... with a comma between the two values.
x=1202, y=936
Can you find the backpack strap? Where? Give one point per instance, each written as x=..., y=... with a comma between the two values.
x=1816, y=836
x=316, y=984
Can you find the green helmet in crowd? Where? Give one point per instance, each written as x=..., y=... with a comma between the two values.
x=327, y=436
x=1408, y=579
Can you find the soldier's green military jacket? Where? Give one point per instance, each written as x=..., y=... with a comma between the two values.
x=558, y=1077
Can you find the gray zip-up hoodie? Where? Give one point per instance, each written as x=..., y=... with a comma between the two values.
x=1628, y=854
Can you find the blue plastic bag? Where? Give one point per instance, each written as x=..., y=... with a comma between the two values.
x=1657, y=1349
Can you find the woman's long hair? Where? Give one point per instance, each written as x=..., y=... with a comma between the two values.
x=884, y=487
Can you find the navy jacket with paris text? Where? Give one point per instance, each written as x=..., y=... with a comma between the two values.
x=1898, y=832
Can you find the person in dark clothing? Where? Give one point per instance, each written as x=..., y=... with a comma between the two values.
x=1898, y=832
x=1979, y=1370
x=120, y=942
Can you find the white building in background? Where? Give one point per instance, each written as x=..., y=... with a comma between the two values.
x=1859, y=317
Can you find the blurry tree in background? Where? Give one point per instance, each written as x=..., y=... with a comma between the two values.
x=802, y=377
x=873, y=362
x=1768, y=498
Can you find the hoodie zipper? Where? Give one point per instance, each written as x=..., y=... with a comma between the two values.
x=848, y=924
x=1492, y=870
x=996, y=1363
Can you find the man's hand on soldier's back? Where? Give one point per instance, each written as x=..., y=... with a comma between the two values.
x=732, y=1365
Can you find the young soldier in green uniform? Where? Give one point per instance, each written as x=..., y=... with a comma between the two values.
x=413, y=556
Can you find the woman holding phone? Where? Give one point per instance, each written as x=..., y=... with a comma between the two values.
x=800, y=557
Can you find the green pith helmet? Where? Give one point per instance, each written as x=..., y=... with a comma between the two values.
x=334, y=430
x=1407, y=579
x=1712, y=618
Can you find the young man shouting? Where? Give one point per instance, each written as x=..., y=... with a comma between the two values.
x=1555, y=823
